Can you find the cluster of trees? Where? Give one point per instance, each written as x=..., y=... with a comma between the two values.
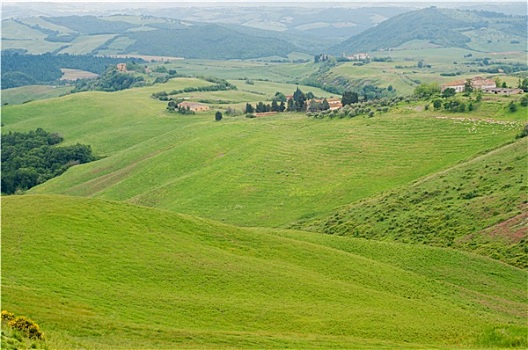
x=299, y=102
x=315, y=105
x=349, y=98
x=277, y=105
x=367, y=108
x=111, y=80
x=220, y=85
x=31, y=158
x=173, y=107
x=427, y=90
x=19, y=69
x=261, y=107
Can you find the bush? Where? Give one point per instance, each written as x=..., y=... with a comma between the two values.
x=27, y=326
x=22, y=324
x=7, y=316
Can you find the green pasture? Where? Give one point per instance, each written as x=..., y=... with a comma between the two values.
x=28, y=93
x=35, y=47
x=477, y=206
x=267, y=171
x=244, y=69
x=493, y=40
x=16, y=31
x=116, y=46
x=85, y=44
x=41, y=22
x=107, y=275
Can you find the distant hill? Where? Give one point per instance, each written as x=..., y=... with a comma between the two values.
x=442, y=27
x=207, y=41
x=97, y=274
x=115, y=35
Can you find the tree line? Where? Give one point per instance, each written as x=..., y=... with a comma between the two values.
x=29, y=159
x=219, y=85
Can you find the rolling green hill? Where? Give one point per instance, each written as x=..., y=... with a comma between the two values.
x=442, y=27
x=108, y=275
x=266, y=172
x=29, y=93
x=479, y=206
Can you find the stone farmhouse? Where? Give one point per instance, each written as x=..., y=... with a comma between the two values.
x=478, y=83
x=333, y=102
x=358, y=56
x=122, y=67
x=194, y=106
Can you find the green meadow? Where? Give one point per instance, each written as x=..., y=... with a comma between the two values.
x=268, y=171
x=97, y=274
x=29, y=93
x=139, y=249
x=478, y=205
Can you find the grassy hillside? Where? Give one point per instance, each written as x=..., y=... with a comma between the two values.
x=97, y=274
x=32, y=92
x=443, y=27
x=266, y=171
x=451, y=208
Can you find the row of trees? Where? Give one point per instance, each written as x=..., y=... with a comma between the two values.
x=31, y=158
x=219, y=85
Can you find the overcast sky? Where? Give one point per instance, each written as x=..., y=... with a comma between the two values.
x=146, y=2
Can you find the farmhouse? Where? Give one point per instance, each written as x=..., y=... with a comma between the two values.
x=335, y=103
x=122, y=67
x=358, y=56
x=458, y=85
x=477, y=83
x=193, y=106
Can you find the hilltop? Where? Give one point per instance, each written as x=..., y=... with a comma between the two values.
x=481, y=31
x=99, y=274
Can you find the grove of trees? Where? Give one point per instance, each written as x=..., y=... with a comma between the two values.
x=29, y=159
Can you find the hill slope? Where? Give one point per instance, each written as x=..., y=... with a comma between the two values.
x=447, y=28
x=255, y=172
x=451, y=208
x=97, y=274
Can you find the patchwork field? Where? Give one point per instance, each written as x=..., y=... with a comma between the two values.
x=108, y=275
